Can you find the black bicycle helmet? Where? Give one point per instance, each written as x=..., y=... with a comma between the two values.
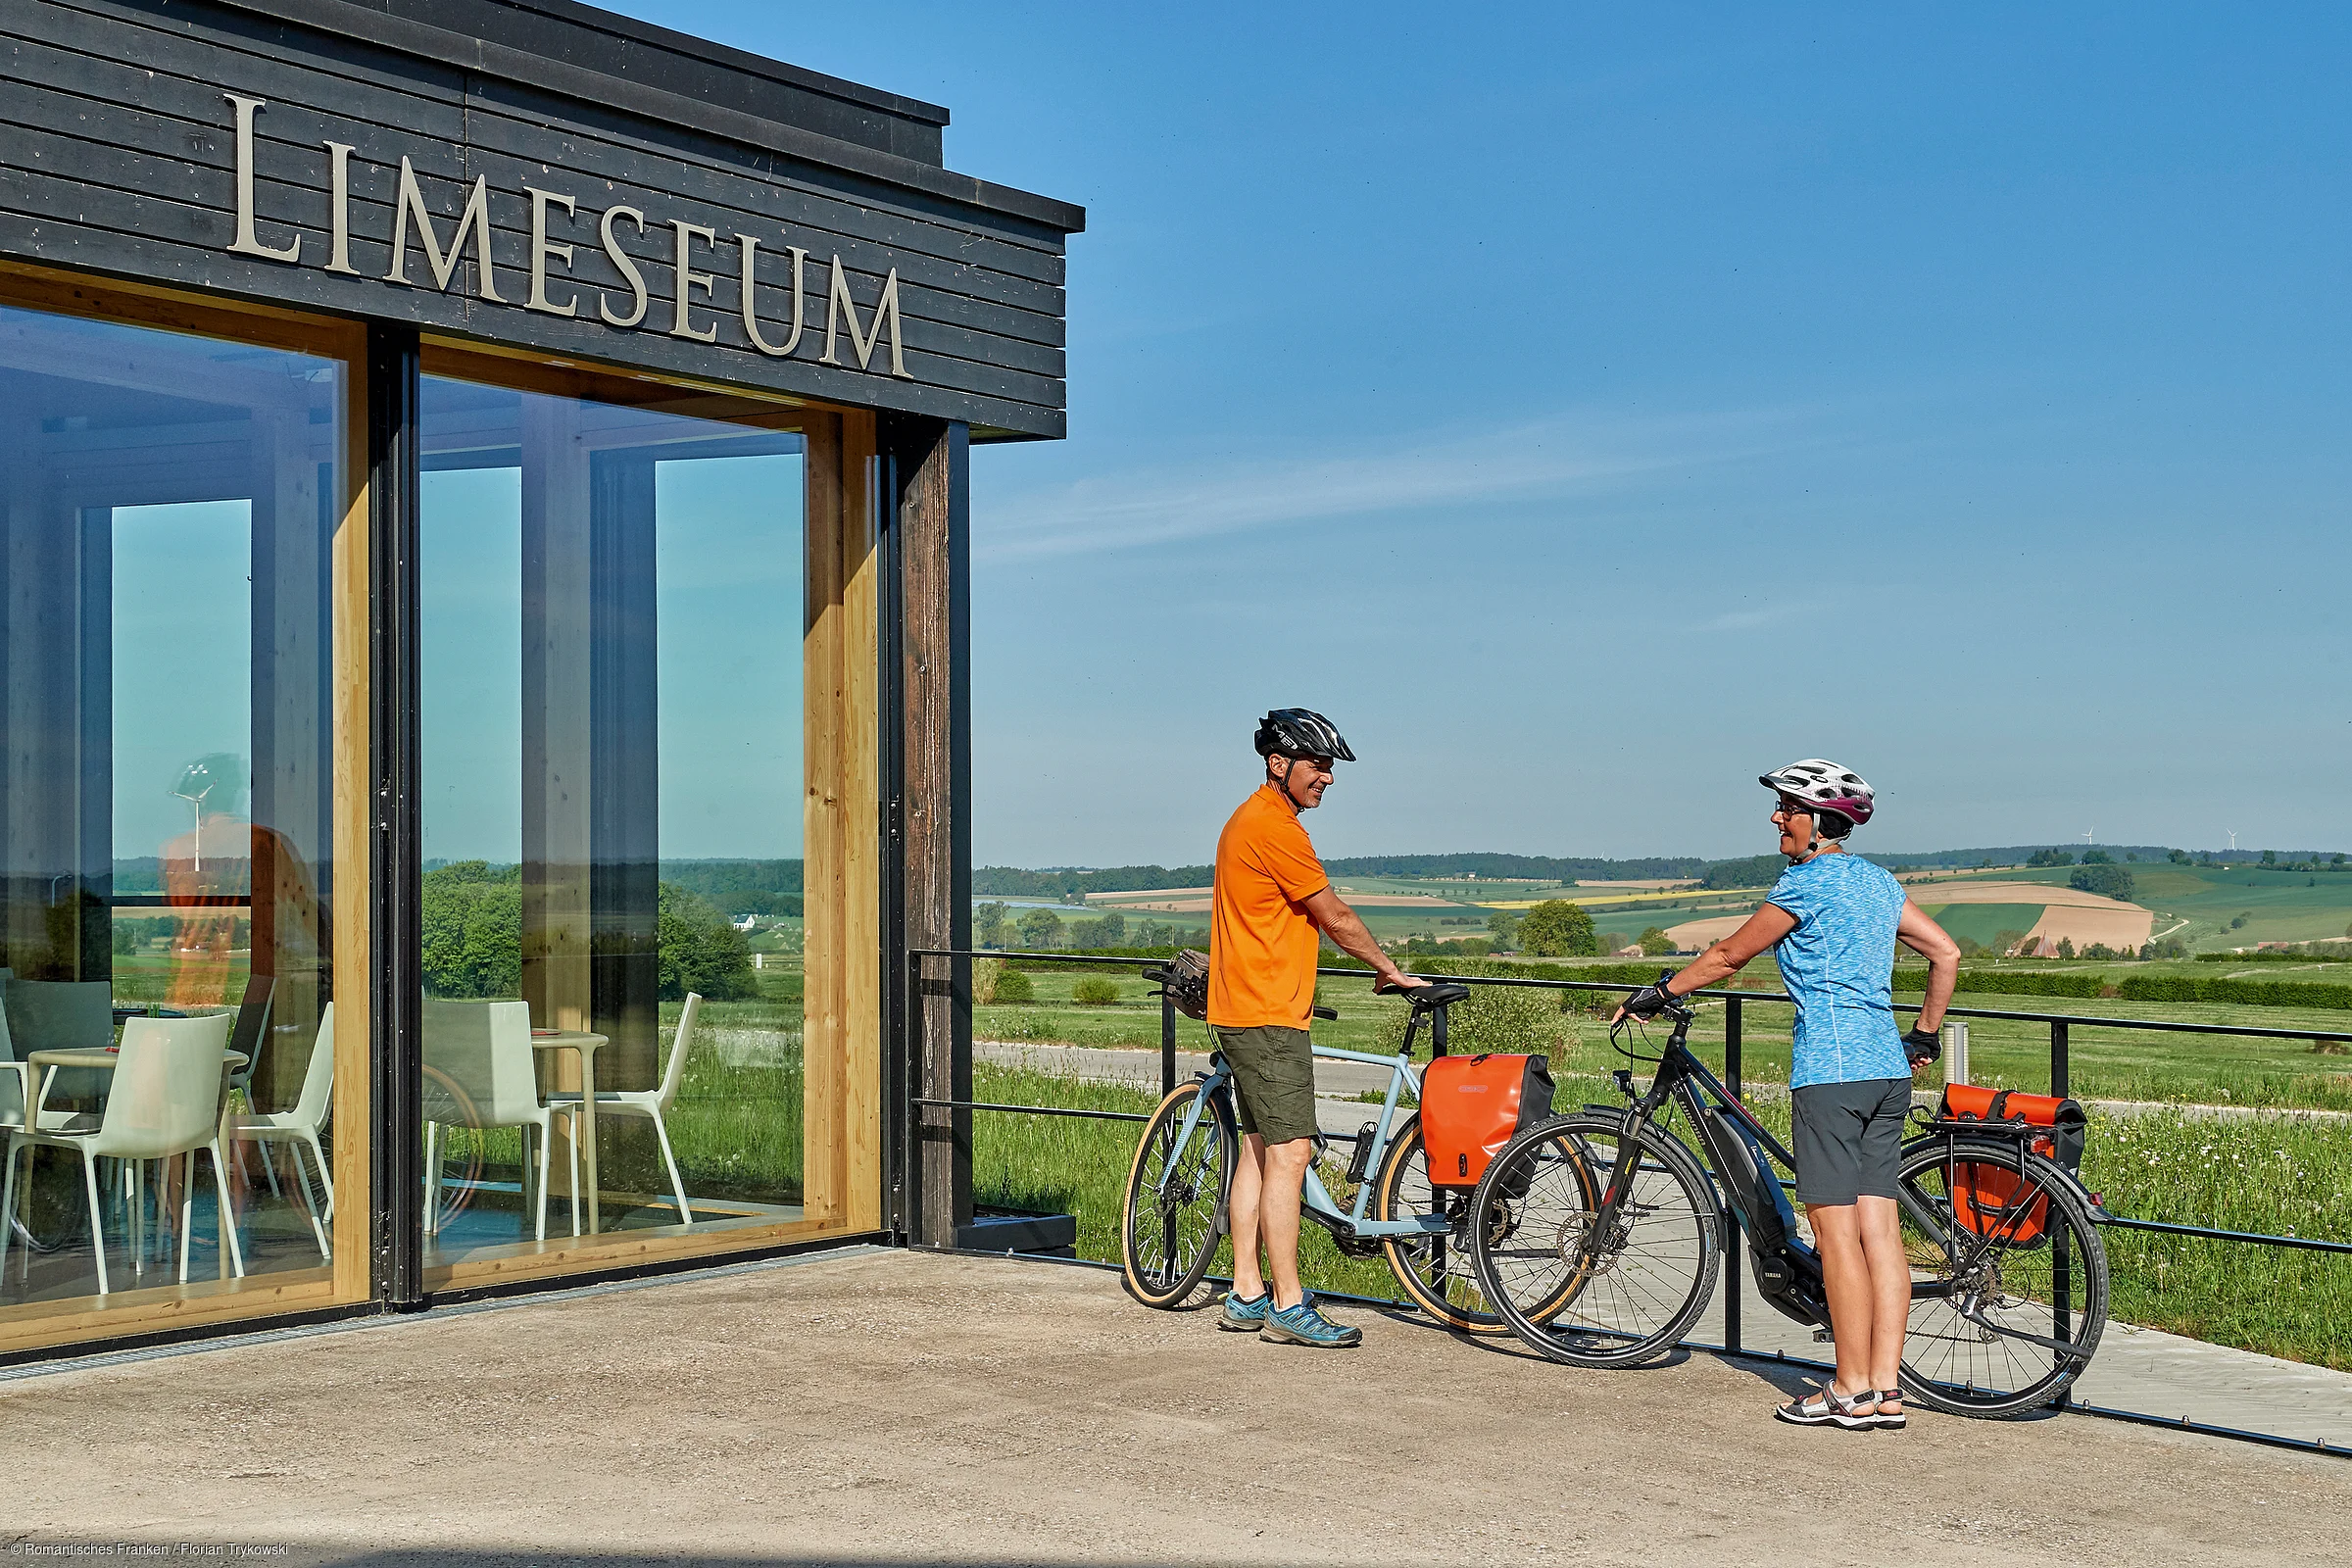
x=1301, y=732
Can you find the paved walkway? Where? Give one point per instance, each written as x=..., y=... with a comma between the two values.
x=901, y=1408
x=2142, y=1370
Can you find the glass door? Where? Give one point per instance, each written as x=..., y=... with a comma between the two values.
x=615, y=777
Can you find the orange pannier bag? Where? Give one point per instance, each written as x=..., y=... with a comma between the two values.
x=1473, y=1105
x=1986, y=1198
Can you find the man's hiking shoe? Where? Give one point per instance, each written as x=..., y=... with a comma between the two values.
x=1303, y=1324
x=1244, y=1317
x=1827, y=1407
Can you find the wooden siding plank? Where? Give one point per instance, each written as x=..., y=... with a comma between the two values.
x=218, y=47
x=84, y=207
x=150, y=154
x=307, y=109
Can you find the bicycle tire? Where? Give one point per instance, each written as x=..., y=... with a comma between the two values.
x=1557, y=1323
x=1410, y=1260
x=1968, y=1368
x=1165, y=1248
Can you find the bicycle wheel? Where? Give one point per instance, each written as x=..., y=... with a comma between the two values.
x=2025, y=1259
x=1436, y=1271
x=1175, y=1207
x=1633, y=1294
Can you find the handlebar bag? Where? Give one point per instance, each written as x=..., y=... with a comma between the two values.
x=1988, y=1200
x=1186, y=977
x=1473, y=1105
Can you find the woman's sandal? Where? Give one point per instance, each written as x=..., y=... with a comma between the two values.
x=1889, y=1420
x=1827, y=1407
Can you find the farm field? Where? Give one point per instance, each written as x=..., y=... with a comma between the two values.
x=2274, y=906
x=2192, y=903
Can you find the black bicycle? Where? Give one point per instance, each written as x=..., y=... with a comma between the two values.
x=1604, y=1233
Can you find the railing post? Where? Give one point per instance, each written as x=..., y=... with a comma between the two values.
x=2061, y=1265
x=1167, y=1042
x=1730, y=1230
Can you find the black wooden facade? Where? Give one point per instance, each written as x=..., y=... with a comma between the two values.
x=121, y=157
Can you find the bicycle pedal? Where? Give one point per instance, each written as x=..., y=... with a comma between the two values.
x=1824, y=1336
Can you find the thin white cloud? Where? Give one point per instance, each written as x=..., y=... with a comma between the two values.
x=1750, y=620
x=1535, y=461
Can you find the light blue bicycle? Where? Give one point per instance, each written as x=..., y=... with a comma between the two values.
x=1183, y=1174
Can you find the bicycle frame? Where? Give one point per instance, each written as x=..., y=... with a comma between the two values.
x=1787, y=1269
x=1315, y=1199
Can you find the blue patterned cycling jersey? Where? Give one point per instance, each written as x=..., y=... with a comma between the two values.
x=1839, y=964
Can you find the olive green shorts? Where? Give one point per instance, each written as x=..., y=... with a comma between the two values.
x=1274, y=1070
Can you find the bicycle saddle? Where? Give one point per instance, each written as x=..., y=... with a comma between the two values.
x=1443, y=994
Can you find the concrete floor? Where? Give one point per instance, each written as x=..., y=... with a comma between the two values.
x=898, y=1408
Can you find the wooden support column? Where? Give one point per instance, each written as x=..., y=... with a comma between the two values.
x=842, y=1027
x=556, y=662
x=293, y=519
x=930, y=461
x=56, y=729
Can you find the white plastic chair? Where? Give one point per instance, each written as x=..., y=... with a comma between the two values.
x=20, y=1086
x=62, y=1015
x=480, y=1074
x=252, y=1027
x=653, y=1102
x=299, y=1127
x=165, y=1100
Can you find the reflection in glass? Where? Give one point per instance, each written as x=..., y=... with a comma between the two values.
x=166, y=506
x=610, y=651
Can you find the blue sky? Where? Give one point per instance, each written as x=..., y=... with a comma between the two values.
x=1590, y=408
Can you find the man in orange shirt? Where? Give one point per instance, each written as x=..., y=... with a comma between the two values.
x=1271, y=900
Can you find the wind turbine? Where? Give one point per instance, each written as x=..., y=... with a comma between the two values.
x=2233, y=832
x=2087, y=836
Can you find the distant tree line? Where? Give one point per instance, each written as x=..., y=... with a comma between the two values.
x=471, y=912
x=996, y=925
x=740, y=887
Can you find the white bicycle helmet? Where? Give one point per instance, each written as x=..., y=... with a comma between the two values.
x=1828, y=787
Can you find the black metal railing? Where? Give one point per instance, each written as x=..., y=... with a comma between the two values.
x=2061, y=1028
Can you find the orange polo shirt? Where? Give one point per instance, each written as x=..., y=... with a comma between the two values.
x=1261, y=944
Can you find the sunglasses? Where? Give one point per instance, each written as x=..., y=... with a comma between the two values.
x=1794, y=808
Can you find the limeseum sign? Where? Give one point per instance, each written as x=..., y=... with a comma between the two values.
x=545, y=179
x=559, y=226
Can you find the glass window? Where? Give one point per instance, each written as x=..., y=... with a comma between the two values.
x=610, y=614
x=168, y=513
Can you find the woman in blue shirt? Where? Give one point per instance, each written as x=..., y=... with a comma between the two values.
x=1833, y=920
